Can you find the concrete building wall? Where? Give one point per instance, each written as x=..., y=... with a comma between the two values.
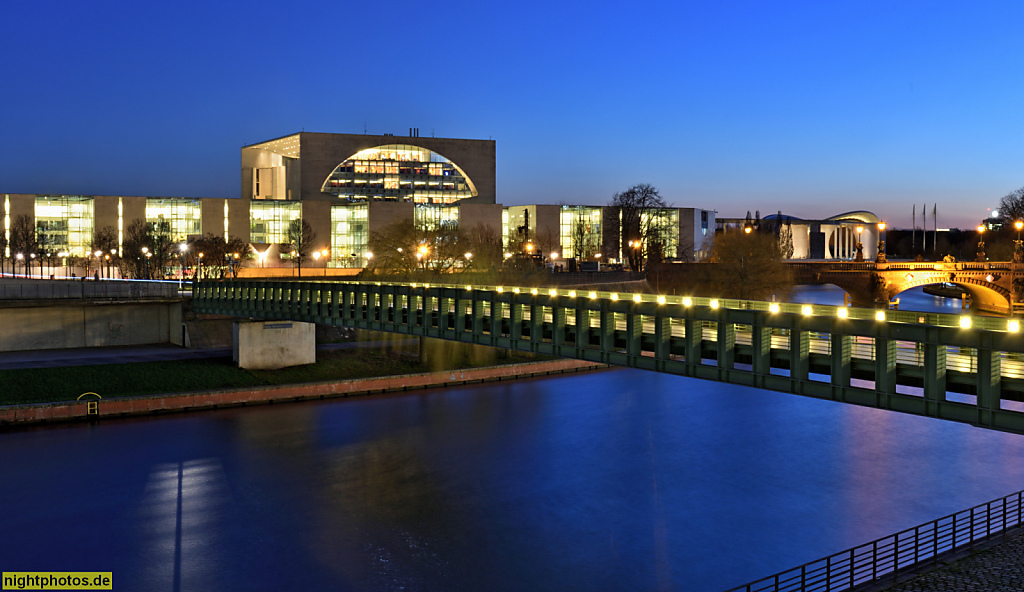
x=22, y=204
x=238, y=219
x=104, y=208
x=694, y=239
x=384, y=213
x=212, y=216
x=317, y=214
x=67, y=325
x=487, y=215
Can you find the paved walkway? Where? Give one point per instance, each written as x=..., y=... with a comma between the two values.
x=90, y=356
x=997, y=569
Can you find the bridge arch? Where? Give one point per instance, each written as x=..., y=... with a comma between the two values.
x=984, y=294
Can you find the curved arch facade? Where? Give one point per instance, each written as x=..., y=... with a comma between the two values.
x=399, y=172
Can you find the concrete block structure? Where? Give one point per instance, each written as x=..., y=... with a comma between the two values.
x=268, y=345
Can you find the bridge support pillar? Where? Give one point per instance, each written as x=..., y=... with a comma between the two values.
x=662, y=341
x=694, y=335
x=444, y=314
x=536, y=323
x=515, y=322
x=726, y=345
x=799, y=354
x=761, y=349
x=497, y=318
x=989, y=384
x=582, y=326
x=477, y=317
x=634, y=328
x=558, y=322
x=607, y=329
x=934, y=372
x=885, y=367
x=842, y=353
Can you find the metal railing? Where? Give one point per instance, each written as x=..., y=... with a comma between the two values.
x=888, y=557
x=79, y=289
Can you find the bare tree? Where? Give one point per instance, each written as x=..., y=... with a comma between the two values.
x=24, y=242
x=1011, y=206
x=635, y=206
x=746, y=266
x=785, y=237
x=105, y=242
x=301, y=239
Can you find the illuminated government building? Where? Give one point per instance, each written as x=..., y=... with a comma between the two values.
x=347, y=186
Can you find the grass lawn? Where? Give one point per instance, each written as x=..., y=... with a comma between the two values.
x=43, y=385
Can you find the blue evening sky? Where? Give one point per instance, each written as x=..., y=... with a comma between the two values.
x=813, y=108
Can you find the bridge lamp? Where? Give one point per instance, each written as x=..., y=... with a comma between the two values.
x=516, y=290
x=469, y=288
x=773, y=308
x=500, y=289
x=572, y=294
x=965, y=322
x=989, y=278
x=842, y=313
x=552, y=292
x=661, y=300
x=1013, y=326
x=533, y=291
x=426, y=286
x=637, y=298
x=879, y=315
x=593, y=295
x=714, y=304
x=687, y=302
x=806, y=310
x=615, y=296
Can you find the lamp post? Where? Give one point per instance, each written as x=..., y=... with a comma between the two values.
x=327, y=259
x=860, y=245
x=981, y=242
x=145, y=253
x=200, y=271
x=181, y=265
x=881, y=243
x=1018, y=246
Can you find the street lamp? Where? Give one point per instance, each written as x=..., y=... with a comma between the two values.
x=1018, y=247
x=981, y=242
x=881, y=243
x=860, y=245
x=200, y=271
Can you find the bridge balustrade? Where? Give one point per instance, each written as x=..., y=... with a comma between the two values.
x=925, y=364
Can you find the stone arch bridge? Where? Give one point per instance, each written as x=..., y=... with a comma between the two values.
x=996, y=287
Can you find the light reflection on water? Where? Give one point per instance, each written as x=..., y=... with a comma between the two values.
x=913, y=299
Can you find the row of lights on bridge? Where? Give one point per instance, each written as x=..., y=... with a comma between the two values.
x=1013, y=326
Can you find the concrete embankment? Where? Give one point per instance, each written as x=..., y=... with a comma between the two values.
x=12, y=415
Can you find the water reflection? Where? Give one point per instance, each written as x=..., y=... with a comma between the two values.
x=619, y=479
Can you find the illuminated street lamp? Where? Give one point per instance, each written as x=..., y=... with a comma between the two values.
x=881, y=243
x=1018, y=246
x=200, y=276
x=860, y=245
x=981, y=242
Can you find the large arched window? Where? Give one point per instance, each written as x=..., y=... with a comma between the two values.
x=399, y=172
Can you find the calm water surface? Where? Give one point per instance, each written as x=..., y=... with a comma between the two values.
x=614, y=480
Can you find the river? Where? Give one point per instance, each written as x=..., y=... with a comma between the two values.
x=612, y=480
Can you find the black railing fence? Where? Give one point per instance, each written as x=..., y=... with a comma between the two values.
x=888, y=557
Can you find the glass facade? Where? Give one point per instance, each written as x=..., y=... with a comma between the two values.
x=269, y=221
x=432, y=218
x=662, y=229
x=579, y=230
x=176, y=218
x=399, y=172
x=64, y=224
x=350, y=235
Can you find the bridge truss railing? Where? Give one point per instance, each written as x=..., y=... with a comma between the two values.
x=903, y=361
x=902, y=553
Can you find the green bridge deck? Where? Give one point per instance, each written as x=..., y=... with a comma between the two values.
x=964, y=369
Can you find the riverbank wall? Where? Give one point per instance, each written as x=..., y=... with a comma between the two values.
x=94, y=408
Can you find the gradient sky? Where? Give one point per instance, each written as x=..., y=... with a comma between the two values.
x=813, y=108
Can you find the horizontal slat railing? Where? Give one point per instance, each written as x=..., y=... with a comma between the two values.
x=888, y=557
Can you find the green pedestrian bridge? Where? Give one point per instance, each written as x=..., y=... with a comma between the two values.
x=968, y=369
